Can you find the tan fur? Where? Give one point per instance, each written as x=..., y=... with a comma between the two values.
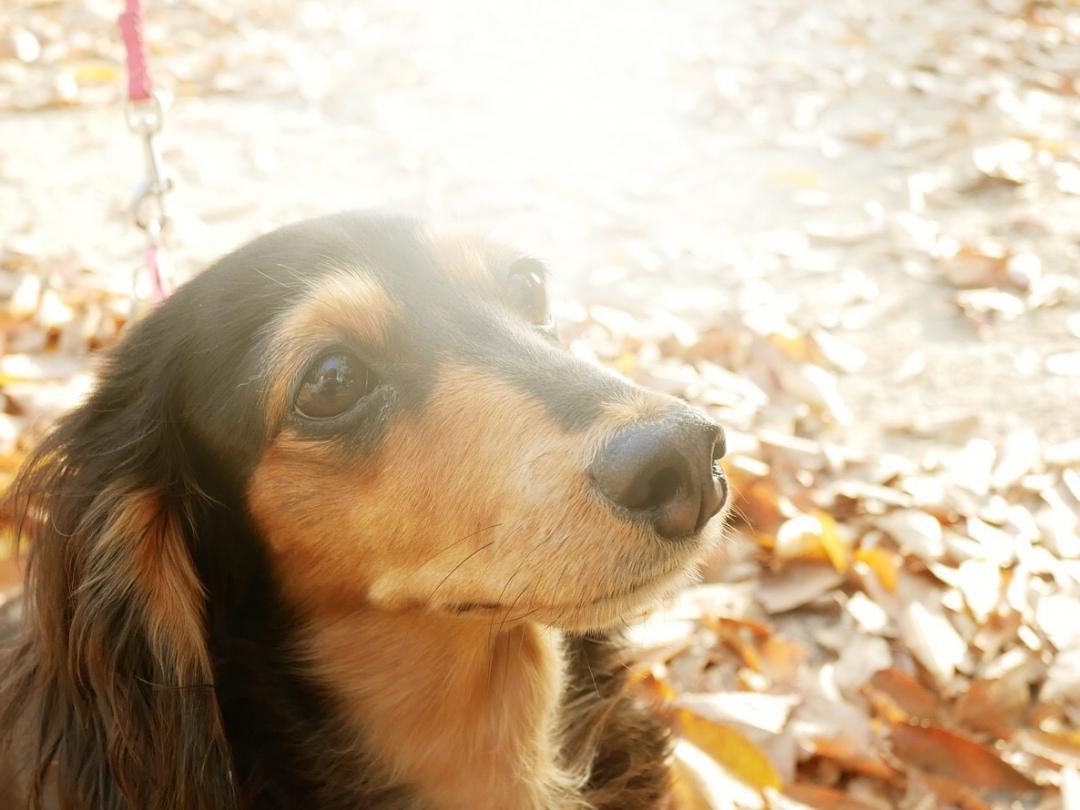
x=460, y=713
x=350, y=303
x=142, y=542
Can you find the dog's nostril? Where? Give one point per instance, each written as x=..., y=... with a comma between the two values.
x=659, y=489
x=663, y=472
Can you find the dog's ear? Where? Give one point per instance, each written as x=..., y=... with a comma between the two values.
x=113, y=677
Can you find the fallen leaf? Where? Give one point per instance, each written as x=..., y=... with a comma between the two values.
x=911, y=698
x=943, y=753
x=994, y=706
x=917, y=533
x=769, y=713
x=980, y=582
x=690, y=787
x=693, y=780
x=851, y=758
x=860, y=658
x=1056, y=615
x=883, y=563
x=797, y=585
x=730, y=748
x=932, y=639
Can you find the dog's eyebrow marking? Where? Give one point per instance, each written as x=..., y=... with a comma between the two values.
x=462, y=260
x=345, y=301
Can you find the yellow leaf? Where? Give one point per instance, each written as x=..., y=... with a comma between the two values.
x=687, y=786
x=836, y=547
x=797, y=347
x=95, y=72
x=813, y=537
x=731, y=749
x=882, y=563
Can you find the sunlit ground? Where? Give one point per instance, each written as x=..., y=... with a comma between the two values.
x=848, y=230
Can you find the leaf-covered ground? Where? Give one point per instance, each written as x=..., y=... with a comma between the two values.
x=849, y=230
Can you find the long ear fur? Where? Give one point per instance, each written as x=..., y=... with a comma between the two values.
x=108, y=701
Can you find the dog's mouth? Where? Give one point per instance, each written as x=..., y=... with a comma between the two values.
x=590, y=608
x=642, y=589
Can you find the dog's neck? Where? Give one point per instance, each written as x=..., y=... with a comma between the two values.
x=463, y=713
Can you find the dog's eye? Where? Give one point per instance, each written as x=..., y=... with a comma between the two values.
x=527, y=292
x=333, y=384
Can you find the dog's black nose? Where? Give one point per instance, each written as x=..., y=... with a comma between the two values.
x=664, y=472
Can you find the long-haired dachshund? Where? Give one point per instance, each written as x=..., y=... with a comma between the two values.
x=343, y=527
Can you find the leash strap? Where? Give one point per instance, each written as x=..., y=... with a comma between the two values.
x=145, y=117
x=140, y=88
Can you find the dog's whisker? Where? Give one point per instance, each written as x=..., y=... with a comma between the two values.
x=461, y=540
x=451, y=572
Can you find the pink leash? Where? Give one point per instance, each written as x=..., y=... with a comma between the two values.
x=145, y=117
x=139, y=86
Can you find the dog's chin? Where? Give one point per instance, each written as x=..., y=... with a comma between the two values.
x=581, y=616
x=619, y=607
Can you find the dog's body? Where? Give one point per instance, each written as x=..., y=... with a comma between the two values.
x=328, y=534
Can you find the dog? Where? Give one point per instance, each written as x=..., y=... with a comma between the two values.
x=342, y=526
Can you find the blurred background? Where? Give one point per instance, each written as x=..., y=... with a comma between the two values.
x=849, y=229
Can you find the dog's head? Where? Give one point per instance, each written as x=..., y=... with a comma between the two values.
x=425, y=441
x=390, y=413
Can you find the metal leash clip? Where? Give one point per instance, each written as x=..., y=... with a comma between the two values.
x=149, y=203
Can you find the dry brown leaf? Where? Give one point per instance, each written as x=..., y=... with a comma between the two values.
x=942, y=753
x=853, y=759
x=907, y=698
x=780, y=659
x=995, y=706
